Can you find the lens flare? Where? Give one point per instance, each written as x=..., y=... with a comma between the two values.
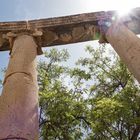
x=124, y=7
x=123, y=12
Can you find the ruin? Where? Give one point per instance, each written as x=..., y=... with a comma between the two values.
x=24, y=40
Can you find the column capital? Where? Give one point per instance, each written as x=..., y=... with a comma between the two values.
x=36, y=34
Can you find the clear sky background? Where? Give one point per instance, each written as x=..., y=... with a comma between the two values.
x=11, y=10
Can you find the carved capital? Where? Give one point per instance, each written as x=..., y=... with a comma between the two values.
x=11, y=36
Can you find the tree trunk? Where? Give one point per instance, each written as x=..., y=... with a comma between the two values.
x=19, y=99
x=127, y=45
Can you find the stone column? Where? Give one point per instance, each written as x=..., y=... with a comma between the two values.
x=19, y=99
x=127, y=45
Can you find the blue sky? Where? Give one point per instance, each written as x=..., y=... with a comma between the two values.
x=11, y=10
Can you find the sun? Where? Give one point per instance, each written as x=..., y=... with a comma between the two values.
x=124, y=7
x=123, y=12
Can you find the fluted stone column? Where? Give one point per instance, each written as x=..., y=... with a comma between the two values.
x=127, y=45
x=19, y=99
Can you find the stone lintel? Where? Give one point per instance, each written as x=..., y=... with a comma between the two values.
x=67, y=29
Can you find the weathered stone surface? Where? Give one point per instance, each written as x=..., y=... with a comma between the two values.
x=19, y=99
x=65, y=37
x=59, y=30
x=127, y=45
x=78, y=32
x=1, y=40
x=49, y=36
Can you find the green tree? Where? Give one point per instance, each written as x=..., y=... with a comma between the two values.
x=97, y=100
x=61, y=110
x=114, y=100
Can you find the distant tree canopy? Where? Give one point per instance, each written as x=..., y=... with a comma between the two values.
x=98, y=99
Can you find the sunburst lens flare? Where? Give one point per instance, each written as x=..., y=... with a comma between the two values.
x=123, y=12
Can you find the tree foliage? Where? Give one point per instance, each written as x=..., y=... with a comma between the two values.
x=98, y=99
